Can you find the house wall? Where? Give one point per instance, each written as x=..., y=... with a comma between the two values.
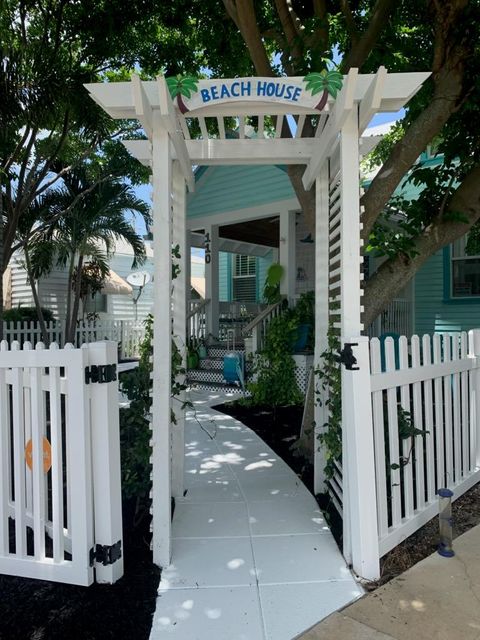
x=434, y=311
x=305, y=259
x=52, y=290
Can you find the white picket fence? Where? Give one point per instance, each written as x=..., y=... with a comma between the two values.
x=127, y=333
x=60, y=485
x=391, y=474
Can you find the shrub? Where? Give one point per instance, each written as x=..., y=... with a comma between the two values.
x=26, y=314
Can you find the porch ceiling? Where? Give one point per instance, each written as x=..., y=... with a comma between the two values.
x=265, y=232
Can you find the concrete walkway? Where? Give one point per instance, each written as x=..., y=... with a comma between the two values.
x=252, y=556
x=437, y=599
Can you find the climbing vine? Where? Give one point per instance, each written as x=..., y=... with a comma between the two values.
x=330, y=393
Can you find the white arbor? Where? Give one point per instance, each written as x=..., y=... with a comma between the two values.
x=260, y=106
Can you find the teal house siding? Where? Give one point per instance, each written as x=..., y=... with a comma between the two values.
x=434, y=310
x=225, y=276
x=230, y=188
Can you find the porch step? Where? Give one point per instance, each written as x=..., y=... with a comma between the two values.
x=216, y=364
x=219, y=350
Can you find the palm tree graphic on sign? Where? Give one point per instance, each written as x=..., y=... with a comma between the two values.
x=330, y=82
x=182, y=86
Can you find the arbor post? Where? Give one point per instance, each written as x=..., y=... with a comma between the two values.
x=321, y=413
x=179, y=299
x=162, y=341
x=359, y=466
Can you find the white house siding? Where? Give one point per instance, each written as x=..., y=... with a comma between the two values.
x=21, y=291
x=52, y=289
x=122, y=307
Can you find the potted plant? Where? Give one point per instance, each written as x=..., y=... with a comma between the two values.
x=271, y=288
x=202, y=348
x=305, y=314
x=193, y=359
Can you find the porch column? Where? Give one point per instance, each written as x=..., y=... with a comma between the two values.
x=287, y=253
x=179, y=293
x=211, y=278
x=321, y=413
x=162, y=336
x=359, y=487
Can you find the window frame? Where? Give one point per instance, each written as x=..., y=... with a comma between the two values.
x=448, y=296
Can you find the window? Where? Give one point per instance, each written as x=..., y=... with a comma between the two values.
x=97, y=304
x=244, y=278
x=465, y=271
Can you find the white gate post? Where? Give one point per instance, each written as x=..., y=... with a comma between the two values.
x=350, y=290
x=474, y=352
x=107, y=482
x=162, y=345
x=180, y=285
x=359, y=466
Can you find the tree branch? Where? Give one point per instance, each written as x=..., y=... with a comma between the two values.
x=447, y=93
x=243, y=15
x=362, y=46
x=349, y=21
x=396, y=272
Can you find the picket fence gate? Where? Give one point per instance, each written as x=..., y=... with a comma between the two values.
x=411, y=422
x=60, y=484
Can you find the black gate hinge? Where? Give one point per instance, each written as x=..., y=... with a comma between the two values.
x=346, y=357
x=100, y=373
x=106, y=554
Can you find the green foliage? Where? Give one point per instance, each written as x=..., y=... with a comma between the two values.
x=330, y=377
x=134, y=425
x=27, y=314
x=406, y=430
x=271, y=288
x=274, y=367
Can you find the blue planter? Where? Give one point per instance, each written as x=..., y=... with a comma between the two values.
x=301, y=338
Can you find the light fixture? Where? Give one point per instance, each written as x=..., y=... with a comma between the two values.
x=308, y=239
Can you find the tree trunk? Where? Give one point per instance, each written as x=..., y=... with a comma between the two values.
x=396, y=272
x=76, y=301
x=2, y=254
x=36, y=299
x=69, y=299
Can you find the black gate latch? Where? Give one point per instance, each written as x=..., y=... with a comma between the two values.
x=346, y=357
x=106, y=554
x=101, y=373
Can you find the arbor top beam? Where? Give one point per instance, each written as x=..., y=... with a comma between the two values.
x=287, y=120
x=117, y=98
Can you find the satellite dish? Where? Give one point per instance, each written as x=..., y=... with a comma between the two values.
x=139, y=278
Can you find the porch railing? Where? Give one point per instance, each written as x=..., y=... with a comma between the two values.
x=396, y=318
x=197, y=319
x=257, y=328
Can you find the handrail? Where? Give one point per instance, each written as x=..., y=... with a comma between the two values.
x=261, y=316
x=201, y=305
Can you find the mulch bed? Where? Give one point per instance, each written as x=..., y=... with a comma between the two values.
x=280, y=428
x=41, y=610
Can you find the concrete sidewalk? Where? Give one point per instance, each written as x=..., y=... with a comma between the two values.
x=437, y=599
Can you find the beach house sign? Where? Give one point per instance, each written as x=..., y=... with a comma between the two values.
x=311, y=91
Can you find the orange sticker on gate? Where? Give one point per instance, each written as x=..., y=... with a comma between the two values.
x=47, y=455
